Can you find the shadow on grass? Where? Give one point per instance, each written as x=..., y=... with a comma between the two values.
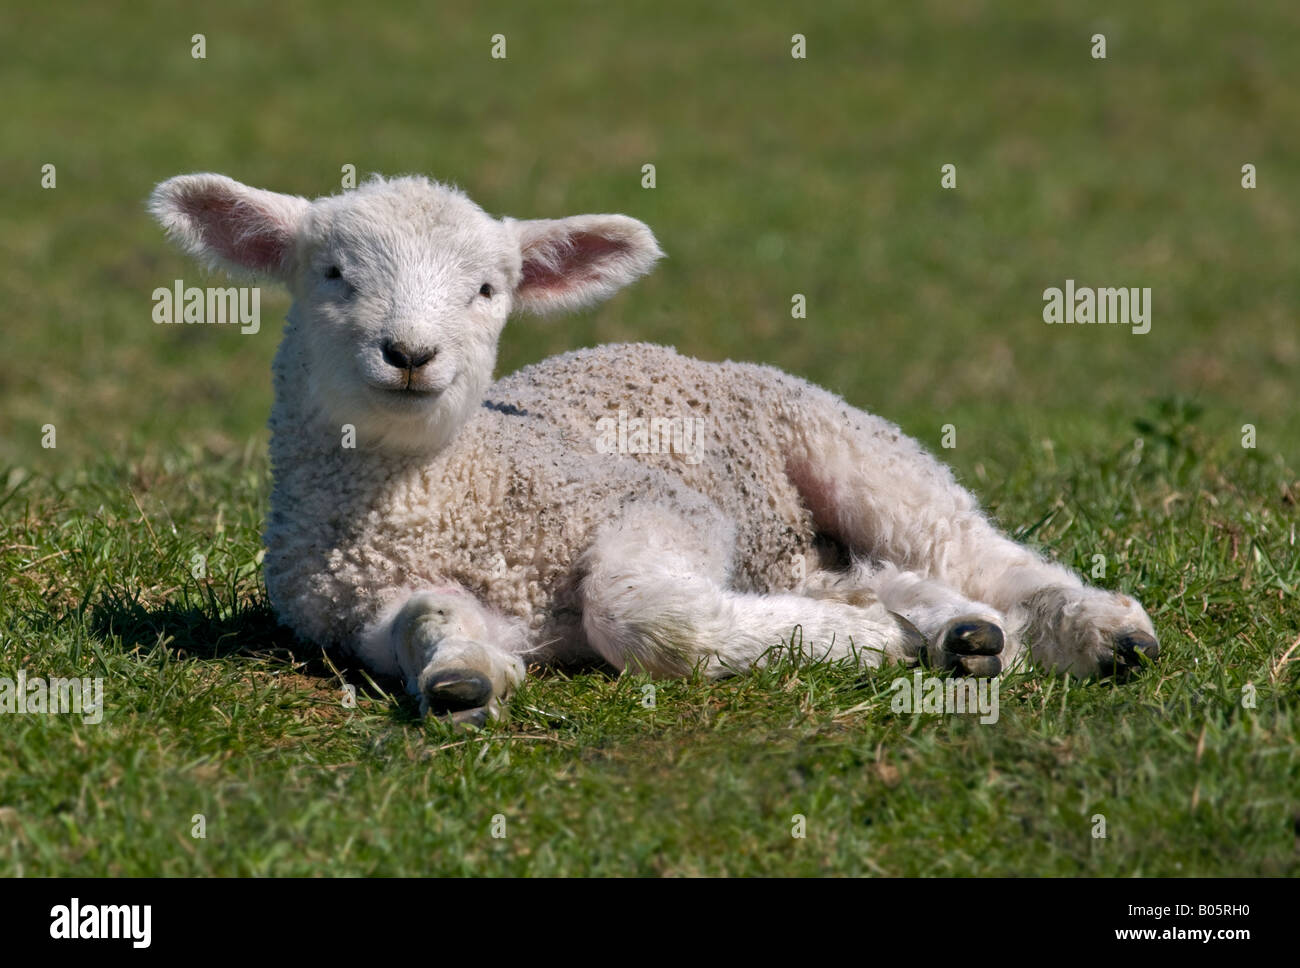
x=211, y=629
x=198, y=624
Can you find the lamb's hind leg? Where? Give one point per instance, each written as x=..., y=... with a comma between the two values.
x=655, y=600
x=888, y=500
x=1070, y=626
x=965, y=636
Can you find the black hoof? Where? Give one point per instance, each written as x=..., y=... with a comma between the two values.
x=1130, y=648
x=469, y=717
x=453, y=690
x=978, y=666
x=974, y=638
x=968, y=649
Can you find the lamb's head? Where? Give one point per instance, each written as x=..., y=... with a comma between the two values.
x=400, y=288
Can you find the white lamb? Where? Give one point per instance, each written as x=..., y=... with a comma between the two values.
x=475, y=525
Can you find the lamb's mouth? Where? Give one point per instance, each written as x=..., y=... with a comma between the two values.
x=406, y=396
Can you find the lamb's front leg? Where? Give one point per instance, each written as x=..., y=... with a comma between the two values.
x=458, y=657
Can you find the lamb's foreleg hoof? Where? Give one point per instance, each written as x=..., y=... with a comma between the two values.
x=455, y=690
x=476, y=717
x=444, y=643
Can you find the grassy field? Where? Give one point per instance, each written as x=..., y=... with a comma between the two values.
x=775, y=176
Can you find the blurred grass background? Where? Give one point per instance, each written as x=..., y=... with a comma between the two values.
x=775, y=176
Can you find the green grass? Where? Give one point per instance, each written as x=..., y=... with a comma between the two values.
x=775, y=176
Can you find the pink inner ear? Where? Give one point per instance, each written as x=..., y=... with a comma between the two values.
x=237, y=230
x=575, y=258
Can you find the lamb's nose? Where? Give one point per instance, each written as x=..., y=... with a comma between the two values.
x=403, y=357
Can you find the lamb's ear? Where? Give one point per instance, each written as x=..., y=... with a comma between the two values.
x=573, y=262
x=226, y=224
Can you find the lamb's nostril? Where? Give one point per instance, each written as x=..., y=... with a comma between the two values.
x=395, y=354
x=403, y=357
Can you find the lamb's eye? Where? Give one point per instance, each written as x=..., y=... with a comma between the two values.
x=486, y=290
x=333, y=273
